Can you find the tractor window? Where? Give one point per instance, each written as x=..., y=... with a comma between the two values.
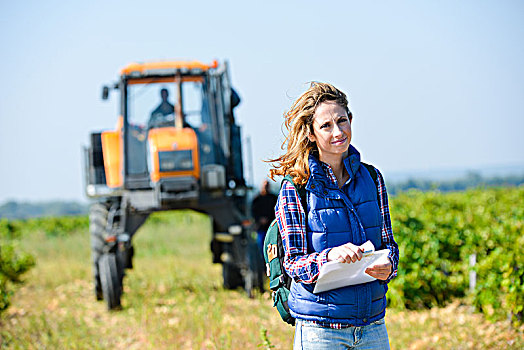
x=192, y=103
x=151, y=105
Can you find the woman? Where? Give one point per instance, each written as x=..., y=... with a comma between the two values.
x=345, y=208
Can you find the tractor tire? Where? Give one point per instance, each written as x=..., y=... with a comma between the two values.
x=98, y=230
x=249, y=283
x=255, y=276
x=111, y=280
x=232, y=276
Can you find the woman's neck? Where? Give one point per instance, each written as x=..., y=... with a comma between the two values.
x=337, y=165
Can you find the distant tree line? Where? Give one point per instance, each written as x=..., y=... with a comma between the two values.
x=24, y=210
x=471, y=180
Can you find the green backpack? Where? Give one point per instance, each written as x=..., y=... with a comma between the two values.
x=279, y=280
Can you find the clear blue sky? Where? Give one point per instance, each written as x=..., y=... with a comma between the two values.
x=432, y=84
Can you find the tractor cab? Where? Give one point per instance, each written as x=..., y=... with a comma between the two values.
x=176, y=134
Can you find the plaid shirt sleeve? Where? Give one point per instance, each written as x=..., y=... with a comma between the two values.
x=291, y=219
x=388, y=242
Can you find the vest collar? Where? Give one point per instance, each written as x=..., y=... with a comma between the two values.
x=317, y=175
x=352, y=162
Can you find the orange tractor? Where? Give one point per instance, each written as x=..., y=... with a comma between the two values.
x=176, y=146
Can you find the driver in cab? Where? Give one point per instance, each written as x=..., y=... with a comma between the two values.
x=164, y=114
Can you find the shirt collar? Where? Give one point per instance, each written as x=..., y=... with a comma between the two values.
x=321, y=171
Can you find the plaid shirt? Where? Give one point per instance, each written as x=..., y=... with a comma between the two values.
x=291, y=219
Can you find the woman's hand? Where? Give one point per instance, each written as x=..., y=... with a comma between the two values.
x=345, y=253
x=381, y=271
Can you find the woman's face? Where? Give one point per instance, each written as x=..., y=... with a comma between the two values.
x=331, y=130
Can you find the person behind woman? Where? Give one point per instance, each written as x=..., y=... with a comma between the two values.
x=345, y=208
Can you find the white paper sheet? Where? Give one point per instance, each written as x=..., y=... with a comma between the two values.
x=334, y=274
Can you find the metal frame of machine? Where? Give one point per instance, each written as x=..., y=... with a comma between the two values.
x=176, y=177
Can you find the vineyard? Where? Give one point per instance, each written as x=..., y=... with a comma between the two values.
x=438, y=233
x=174, y=294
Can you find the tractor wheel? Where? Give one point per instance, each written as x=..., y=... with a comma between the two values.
x=98, y=230
x=249, y=283
x=111, y=280
x=255, y=275
x=232, y=276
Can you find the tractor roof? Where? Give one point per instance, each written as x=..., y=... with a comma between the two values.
x=166, y=68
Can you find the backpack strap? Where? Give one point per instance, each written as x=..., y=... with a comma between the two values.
x=301, y=190
x=373, y=172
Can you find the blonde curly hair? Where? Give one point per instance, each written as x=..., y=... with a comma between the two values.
x=299, y=124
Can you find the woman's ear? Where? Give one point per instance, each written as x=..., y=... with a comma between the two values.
x=311, y=137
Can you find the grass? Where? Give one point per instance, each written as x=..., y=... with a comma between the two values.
x=174, y=300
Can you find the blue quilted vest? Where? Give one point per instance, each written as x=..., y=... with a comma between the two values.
x=335, y=217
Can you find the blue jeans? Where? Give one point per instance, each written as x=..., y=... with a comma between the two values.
x=309, y=336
